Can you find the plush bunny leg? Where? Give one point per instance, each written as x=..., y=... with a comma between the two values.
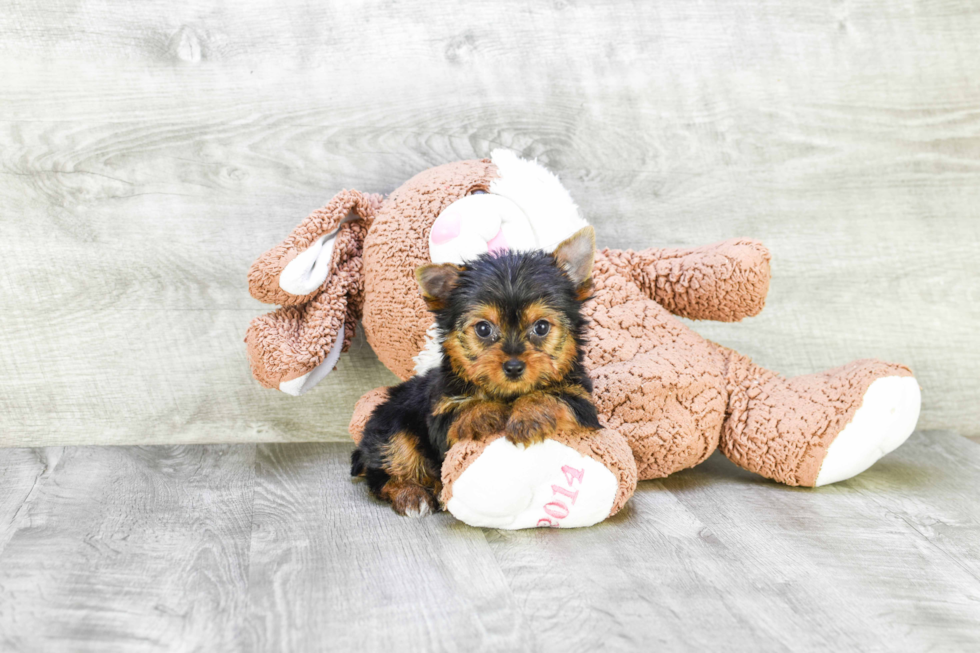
x=817, y=429
x=563, y=482
x=726, y=281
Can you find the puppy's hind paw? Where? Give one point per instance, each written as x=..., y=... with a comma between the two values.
x=410, y=499
x=421, y=511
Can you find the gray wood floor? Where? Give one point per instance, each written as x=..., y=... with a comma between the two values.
x=149, y=151
x=272, y=548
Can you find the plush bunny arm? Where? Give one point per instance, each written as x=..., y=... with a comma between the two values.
x=317, y=232
x=726, y=282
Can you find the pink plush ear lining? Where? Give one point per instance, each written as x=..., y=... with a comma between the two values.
x=446, y=227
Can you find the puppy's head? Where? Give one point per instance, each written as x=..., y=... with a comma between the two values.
x=512, y=322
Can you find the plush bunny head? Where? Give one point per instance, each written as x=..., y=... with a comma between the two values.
x=450, y=214
x=355, y=260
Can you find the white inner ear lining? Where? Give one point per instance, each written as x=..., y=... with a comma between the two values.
x=310, y=269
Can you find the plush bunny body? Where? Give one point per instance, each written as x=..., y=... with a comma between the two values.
x=672, y=395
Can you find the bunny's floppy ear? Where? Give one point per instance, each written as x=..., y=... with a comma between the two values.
x=293, y=270
x=316, y=274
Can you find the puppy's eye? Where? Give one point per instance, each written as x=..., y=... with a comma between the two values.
x=541, y=328
x=477, y=191
x=483, y=329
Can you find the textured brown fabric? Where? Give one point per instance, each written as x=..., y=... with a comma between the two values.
x=725, y=282
x=263, y=275
x=676, y=396
x=611, y=449
x=607, y=447
x=292, y=340
x=672, y=395
x=363, y=409
x=781, y=428
x=657, y=383
x=395, y=317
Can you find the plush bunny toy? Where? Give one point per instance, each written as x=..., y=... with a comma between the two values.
x=667, y=397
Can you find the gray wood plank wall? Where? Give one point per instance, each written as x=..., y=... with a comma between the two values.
x=148, y=152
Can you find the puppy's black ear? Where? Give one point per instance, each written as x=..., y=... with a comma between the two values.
x=436, y=282
x=576, y=256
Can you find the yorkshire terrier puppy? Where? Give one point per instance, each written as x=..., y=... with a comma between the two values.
x=512, y=334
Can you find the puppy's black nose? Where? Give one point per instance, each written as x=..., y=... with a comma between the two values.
x=513, y=368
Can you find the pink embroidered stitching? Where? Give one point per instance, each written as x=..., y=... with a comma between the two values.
x=557, y=509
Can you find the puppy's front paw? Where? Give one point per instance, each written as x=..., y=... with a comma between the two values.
x=484, y=418
x=410, y=499
x=526, y=429
x=489, y=418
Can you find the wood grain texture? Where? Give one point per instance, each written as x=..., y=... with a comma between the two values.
x=148, y=153
x=862, y=563
x=188, y=549
x=356, y=576
x=125, y=549
x=717, y=558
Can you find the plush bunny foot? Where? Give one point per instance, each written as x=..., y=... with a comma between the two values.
x=820, y=428
x=566, y=482
x=886, y=418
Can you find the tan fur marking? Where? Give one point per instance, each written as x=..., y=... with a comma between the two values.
x=486, y=312
x=449, y=404
x=537, y=415
x=403, y=460
x=478, y=418
x=584, y=290
x=407, y=495
x=537, y=311
x=547, y=359
x=574, y=389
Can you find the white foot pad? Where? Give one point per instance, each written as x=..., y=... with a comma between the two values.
x=884, y=421
x=546, y=485
x=419, y=511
